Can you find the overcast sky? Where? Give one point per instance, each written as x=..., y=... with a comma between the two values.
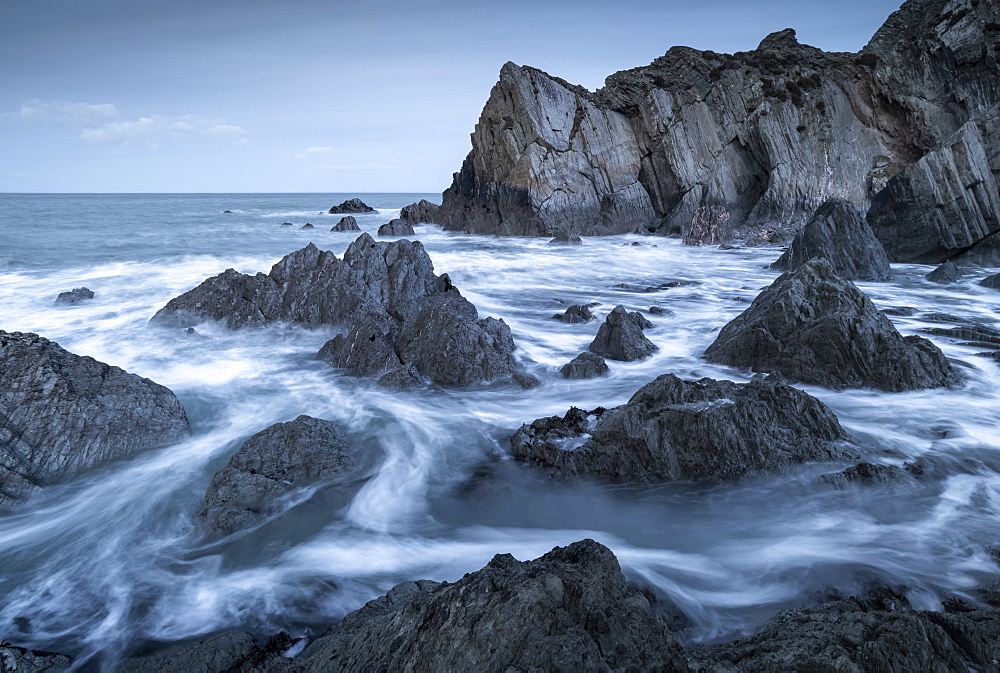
x=311, y=96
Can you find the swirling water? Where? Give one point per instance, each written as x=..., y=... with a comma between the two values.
x=113, y=559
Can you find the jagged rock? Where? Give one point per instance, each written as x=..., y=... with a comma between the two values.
x=15, y=659
x=566, y=238
x=992, y=282
x=381, y=292
x=347, y=223
x=863, y=634
x=620, y=336
x=945, y=274
x=839, y=233
x=354, y=205
x=575, y=314
x=397, y=227
x=270, y=466
x=811, y=326
x=63, y=413
x=697, y=141
x=673, y=430
x=569, y=610
x=420, y=212
x=307, y=226
x=585, y=366
x=75, y=295
x=868, y=474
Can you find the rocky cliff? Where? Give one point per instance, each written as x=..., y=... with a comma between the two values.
x=750, y=142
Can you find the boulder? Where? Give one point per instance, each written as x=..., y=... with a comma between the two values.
x=230, y=651
x=576, y=313
x=838, y=232
x=63, y=413
x=867, y=474
x=992, y=282
x=986, y=252
x=566, y=238
x=814, y=327
x=585, y=366
x=659, y=310
x=268, y=468
x=15, y=659
x=420, y=212
x=620, y=336
x=946, y=274
x=354, y=205
x=347, y=223
x=397, y=227
x=75, y=295
x=674, y=430
x=307, y=226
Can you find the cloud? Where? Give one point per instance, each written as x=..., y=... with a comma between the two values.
x=314, y=152
x=62, y=112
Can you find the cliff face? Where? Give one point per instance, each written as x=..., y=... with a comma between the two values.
x=753, y=141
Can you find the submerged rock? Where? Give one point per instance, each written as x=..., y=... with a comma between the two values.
x=576, y=313
x=397, y=227
x=839, y=233
x=347, y=223
x=63, y=413
x=307, y=226
x=566, y=238
x=677, y=430
x=585, y=366
x=354, y=205
x=75, y=295
x=420, y=212
x=992, y=282
x=270, y=466
x=868, y=474
x=812, y=326
x=620, y=336
x=945, y=274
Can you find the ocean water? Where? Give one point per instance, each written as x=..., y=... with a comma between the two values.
x=113, y=560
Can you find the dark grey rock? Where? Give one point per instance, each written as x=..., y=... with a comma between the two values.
x=230, y=652
x=354, y=205
x=62, y=413
x=347, y=223
x=992, y=282
x=811, y=326
x=659, y=310
x=838, y=232
x=566, y=238
x=15, y=659
x=903, y=311
x=585, y=366
x=986, y=252
x=420, y=212
x=945, y=274
x=867, y=474
x=307, y=226
x=620, y=336
x=397, y=227
x=576, y=313
x=677, y=430
x=75, y=295
x=287, y=224
x=269, y=467
x=709, y=226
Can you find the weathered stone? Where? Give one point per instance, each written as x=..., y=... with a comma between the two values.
x=354, y=205
x=620, y=336
x=347, y=223
x=585, y=366
x=75, y=295
x=839, y=233
x=15, y=659
x=397, y=227
x=709, y=226
x=62, y=413
x=420, y=212
x=867, y=474
x=945, y=274
x=231, y=652
x=659, y=310
x=674, y=430
x=992, y=282
x=811, y=326
x=566, y=238
x=986, y=252
x=270, y=466
x=576, y=313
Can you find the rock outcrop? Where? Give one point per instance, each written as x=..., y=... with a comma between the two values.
x=814, y=327
x=678, y=430
x=576, y=313
x=270, y=466
x=867, y=474
x=838, y=232
x=387, y=295
x=62, y=413
x=423, y=211
x=347, y=223
x=15, y=659
x=584, y=366
x=307, y=225
x=946, y=274
x=620, y=336
x=397, y=227
x=992, y=282
x=75, y=295
x=354, y=205
x=710, y=145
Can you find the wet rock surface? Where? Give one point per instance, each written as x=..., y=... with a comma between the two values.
x=347, y=223
x=61, y=413
x=679, y=430
x=620, y=336
x=585, y=366
x=838, y=232
x=992, y=282
x=423, y=211
x=354, y=205
x=576, y=313
x=566, y=238
x=270, y=466
x=75, y=295
x=814, y=327
x=867, y=474
x=397, y=227
x=946, y=274
x=15, y=659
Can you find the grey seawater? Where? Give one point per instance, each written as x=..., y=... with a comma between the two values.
x=114, y=559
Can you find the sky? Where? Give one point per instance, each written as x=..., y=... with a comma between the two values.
x=322, y=96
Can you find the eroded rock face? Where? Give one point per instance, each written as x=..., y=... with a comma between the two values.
x=814, y=327
x=396, y=309
x=420, y=212
x=584, y=366
x=397, y=227
x=839, y=233
x=620, y=336
x=354, y=205
x=270, y=466
x=347, y=223
x=62, y=413
x=677, y=430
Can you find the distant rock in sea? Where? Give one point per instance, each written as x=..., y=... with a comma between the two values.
x=75, y=295
x=397, y=227
x=620, y=336
x=347, y=223
x=354, y=205
x=421, y=212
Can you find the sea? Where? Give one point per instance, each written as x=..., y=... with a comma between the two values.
x=114, y=561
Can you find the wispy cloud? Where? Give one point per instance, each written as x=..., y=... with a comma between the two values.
x=314, y=152
x=103, y=124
